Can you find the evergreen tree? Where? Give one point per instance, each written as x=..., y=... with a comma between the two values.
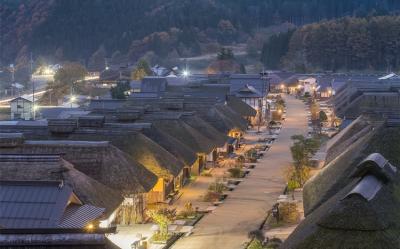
x=346, y=44
x=274, y=49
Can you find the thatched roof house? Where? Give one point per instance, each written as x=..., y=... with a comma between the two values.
x=172, y=145
x=21, y=167
x=206, y=129
x=348, y=147
x=241, y=107
x=154, y=157
x=335, y=218
x=100, y=160
x=137, y=146
x=170, y=123
x=363, y=214
x=211, y=109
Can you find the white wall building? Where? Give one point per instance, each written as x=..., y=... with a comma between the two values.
x=21, y=108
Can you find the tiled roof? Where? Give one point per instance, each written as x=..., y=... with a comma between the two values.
x=78, y=216
x=32, y=204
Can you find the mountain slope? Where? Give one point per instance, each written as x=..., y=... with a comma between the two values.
x=76, y=29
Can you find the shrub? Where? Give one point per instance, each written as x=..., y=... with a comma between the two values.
x=240, y=160
x=255, y=244
x=288, y=212
x=216, y=187
x=211, y=196
x=235, y=172
x=251, y=154
x=188, y=211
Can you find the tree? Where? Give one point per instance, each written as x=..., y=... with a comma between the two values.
x=97, y=62
x=227, y=31
x=322, y=116
x=280, y=104
x=301, y=150
x=314, y=109
x=275, y=48
x=142, y=70
x=162, y=218
x=69, y=77
x=70, y=73
x=346, y=44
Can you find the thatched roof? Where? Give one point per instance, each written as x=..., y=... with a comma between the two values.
x=147, y=153
x=336, y=220
x=348, y=136
x=186, y=134
x=206, y=129
x=172, y=145
x=363, y=214
x=234, y=119
x=170, y=123
x=126, y=137
x=350, y=224
x=99, y=160
x=321, y=187
x=349, y=147
x=154, y=157
x=20, y=167
x=241, y=107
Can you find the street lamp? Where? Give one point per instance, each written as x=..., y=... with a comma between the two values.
x=72, y=99
x=185, y=73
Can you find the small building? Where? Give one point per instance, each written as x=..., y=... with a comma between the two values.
x=308, y=85
x=41, y=214
x=154, y=84
x=21, y=108
x=250, y=96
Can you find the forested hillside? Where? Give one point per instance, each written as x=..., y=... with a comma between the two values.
x=124, y=30
x=344, y=44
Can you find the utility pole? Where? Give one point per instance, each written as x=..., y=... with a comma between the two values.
x=33, y=89
x=71, y=93
x=12, y=69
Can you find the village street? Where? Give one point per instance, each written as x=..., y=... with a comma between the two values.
x=247, y=206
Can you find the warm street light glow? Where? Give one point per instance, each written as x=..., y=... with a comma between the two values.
x=282, y=86
x=299, y=86
x=89, y=226
x=48, y=71
x=73, y=98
